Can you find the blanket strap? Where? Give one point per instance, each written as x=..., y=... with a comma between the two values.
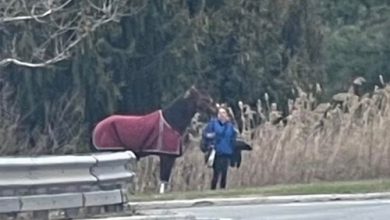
x=160, y=132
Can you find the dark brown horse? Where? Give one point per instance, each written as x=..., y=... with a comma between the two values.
x=159, y=133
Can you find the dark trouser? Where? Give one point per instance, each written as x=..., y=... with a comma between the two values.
x=220, y=168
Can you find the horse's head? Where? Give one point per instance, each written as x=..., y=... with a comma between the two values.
x=202, y=99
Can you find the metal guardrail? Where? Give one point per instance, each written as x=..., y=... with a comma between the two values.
x=75, y=186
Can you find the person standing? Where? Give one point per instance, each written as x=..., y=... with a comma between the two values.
x=221, y=136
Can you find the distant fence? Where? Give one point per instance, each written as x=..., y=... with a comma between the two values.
x=64, y=186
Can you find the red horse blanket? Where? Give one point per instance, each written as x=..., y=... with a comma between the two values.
x=142, y=134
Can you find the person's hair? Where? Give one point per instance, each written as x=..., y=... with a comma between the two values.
x=226, y=108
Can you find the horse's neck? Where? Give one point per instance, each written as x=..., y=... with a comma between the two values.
x=179, y=114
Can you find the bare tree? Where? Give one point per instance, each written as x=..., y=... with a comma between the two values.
x=37, y=33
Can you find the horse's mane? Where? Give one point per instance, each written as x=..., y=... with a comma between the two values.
x=174, y=102
x=180, y=112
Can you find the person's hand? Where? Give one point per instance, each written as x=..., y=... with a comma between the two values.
x=210, y=135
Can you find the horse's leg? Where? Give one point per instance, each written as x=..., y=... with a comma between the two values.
x=166, y=165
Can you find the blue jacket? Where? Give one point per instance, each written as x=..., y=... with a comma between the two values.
x=222, y=136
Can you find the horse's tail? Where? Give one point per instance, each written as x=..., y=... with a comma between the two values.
x=97, y=132
x=105, y=137
x=93, y=145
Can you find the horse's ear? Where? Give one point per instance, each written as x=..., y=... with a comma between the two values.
x=190, y=91
x=194, y=89
x=187, y=94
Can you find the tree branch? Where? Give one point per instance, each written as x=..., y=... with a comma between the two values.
x=54, y=33
x=32, y=16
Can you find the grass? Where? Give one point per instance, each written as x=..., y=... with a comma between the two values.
x=344, y=187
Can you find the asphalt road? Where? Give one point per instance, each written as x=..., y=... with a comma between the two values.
x=335, y=210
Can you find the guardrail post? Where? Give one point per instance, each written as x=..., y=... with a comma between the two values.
x=42, y=215
x=114, y=167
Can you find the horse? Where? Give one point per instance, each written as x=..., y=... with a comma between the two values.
x=158, y=133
